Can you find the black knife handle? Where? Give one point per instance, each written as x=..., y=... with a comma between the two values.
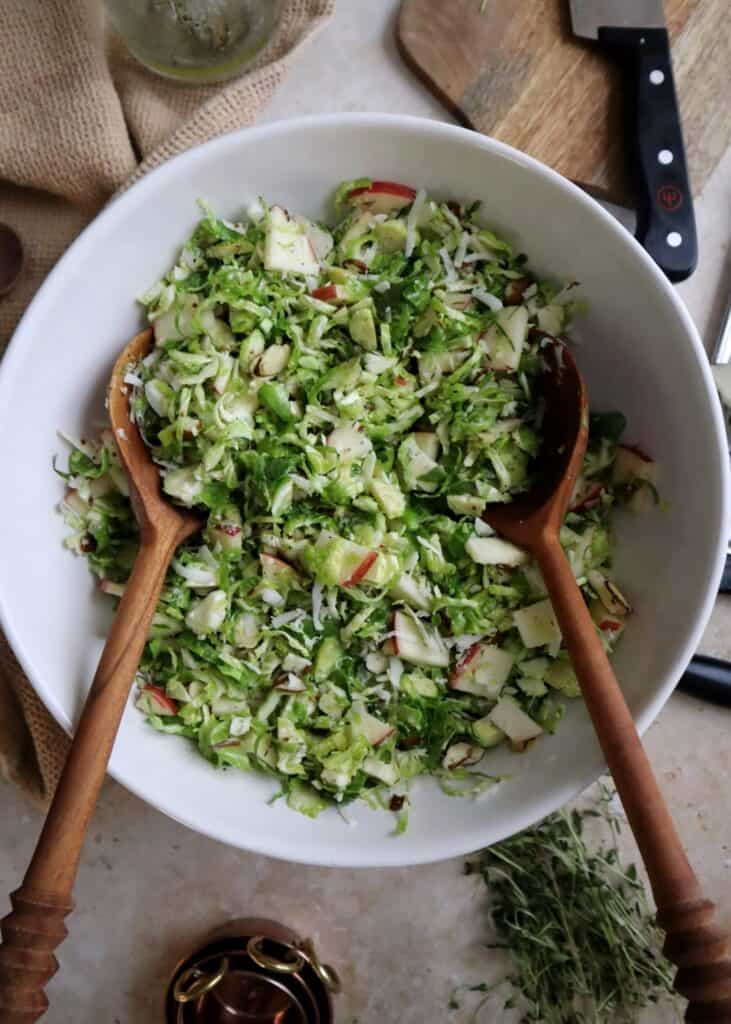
x=665, y=220
x=709, y=679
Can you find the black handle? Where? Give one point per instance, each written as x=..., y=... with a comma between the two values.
x=708, y=679
x=665, y=220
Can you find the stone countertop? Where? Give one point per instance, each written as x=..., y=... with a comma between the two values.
x=149, y=889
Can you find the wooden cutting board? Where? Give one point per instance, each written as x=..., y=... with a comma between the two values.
x=513, y=70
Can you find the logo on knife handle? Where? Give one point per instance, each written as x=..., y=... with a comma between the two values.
x=670, y=198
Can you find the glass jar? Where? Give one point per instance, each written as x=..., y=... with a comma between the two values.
x=195, y=40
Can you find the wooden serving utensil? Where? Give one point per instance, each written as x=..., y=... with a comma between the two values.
x=700, y=950
x=35, y=927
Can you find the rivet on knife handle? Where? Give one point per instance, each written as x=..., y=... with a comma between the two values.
x=665, y=220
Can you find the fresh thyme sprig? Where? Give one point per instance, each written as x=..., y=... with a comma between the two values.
x=575, y=922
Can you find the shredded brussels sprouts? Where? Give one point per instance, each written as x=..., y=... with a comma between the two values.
x=343, y=402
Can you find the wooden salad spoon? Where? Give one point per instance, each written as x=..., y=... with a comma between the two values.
x=693, y=942
x=35, y=926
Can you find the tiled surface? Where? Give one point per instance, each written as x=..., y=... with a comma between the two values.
x=148, y=888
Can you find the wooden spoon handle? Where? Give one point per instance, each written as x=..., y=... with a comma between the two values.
x=701, y=951
x=35, y=927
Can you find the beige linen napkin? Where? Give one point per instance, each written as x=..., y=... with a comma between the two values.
x=79, y=121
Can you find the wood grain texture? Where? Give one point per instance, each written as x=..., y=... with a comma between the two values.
x=35, y=926
x=700, y=950
x=516, y=72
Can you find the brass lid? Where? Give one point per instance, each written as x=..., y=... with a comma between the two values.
x=268, y=978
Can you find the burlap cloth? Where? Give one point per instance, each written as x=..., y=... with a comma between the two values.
x=79, y=121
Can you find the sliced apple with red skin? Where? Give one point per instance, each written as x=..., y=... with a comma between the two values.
x=335, y=294
x=229, y=536
x=275, y=568
x=155, y=701
x=482, y=671
x=417, y=644
x=366, y=724
x=361, y=570
x=609, y=594
x=75, y=502
x=289, y=683
x=382, y=196
x=632, y=464
x=461, y=755
x=588, y=499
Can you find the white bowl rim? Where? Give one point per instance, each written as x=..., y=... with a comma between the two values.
x=439, y=849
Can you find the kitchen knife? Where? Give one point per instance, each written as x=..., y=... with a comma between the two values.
x=634, y=31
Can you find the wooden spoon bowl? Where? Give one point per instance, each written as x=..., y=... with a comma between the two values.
x=693, y=942
x=35, y=927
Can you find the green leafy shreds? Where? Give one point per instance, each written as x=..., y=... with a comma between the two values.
x=342, y=422
x=575, y=922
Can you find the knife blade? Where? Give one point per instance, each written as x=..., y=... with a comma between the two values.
x=634, y=31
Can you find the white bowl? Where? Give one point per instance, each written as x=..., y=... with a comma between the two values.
x=641, y=354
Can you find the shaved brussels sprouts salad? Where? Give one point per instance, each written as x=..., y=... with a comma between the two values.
x=343, y=402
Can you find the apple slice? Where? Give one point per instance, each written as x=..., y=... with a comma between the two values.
x=228, y=536
x=289, y=683
x=608, y=623
x=494, y=551
x=366, y=724
x=273, y=567
x=466, y=504
x=388, y=774
x=387, y=494
x=411, y=591
x=417, y=643
x=349, y=443
x=382, y=196
x=460, y=755
x=504, y=340
x=154, y=701
x=320, y=239
x=588, y=498
x=287, y=246
x=272, y=361
x=633, y=464
x=111, y=588
x=74, y=501
x=482, y=671
x=335, y=294
x=361, y=570
x=510, y=718
x=416, y=461
x=537, y=624
x=609, y=594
